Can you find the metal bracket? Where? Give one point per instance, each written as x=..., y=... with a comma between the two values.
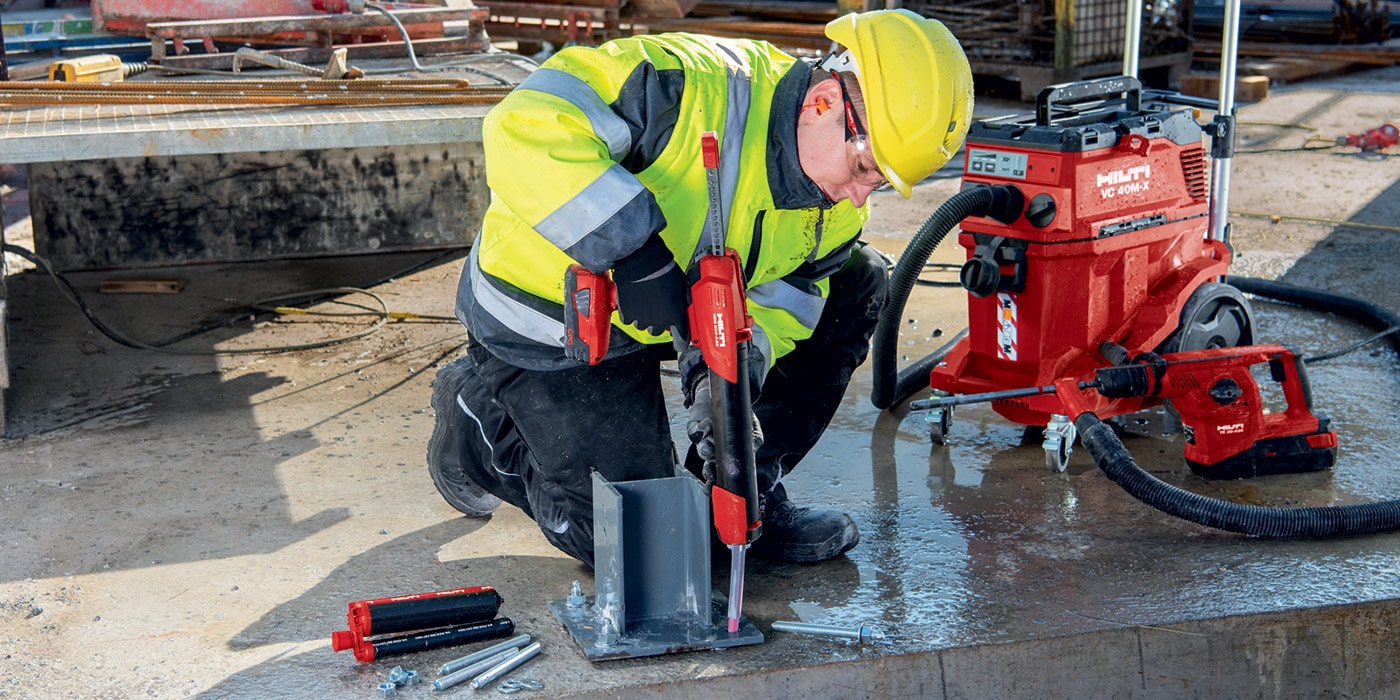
x=651, y=544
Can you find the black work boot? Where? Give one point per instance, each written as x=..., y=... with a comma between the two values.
x=802, y=535
x=448, y=442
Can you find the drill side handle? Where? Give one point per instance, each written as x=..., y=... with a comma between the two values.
x=1303, y=391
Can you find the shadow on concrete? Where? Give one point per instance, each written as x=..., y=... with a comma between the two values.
x=1357, y=261
x=410, y=563
x=399, y=566
x=65, y=372
x=164, y=460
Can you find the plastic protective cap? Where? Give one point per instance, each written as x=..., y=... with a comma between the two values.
x=342, y=640
x=917, y=87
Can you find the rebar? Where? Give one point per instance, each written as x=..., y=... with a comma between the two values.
x=266, y=59
x=405, y=92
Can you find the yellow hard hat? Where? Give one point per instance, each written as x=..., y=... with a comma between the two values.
x=917, y=87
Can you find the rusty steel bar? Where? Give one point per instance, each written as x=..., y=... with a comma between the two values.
x=314, y=25
x=232, y=86
x=33, y=99
x=253, y=26
x=314, y=54
x=262, y=93
x=1370, y=54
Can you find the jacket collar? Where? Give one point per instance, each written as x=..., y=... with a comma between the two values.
x=791, y=188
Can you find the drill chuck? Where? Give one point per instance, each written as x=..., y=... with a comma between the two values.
x=1124, y=381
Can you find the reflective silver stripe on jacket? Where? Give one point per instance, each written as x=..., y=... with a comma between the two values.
x=761, y=347
x=606, y=124
x=528, y=322
x=806, y=308
x=588, y=210
x=736, y=115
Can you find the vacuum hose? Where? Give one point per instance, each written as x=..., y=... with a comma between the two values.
x=891, y=387
x=1316, y=521
x=1354, y=309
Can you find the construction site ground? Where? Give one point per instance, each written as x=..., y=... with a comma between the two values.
x=182, y=525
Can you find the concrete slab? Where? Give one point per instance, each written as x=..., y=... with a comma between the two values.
x=185, y=525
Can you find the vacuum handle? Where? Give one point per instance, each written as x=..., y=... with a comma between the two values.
x=1083, y=91
x=1177, y=98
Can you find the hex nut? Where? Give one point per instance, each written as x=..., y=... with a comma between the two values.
x=387, y=690
x=574, y=600
x=607, y=633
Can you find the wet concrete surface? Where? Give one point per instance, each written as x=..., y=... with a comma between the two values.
x=196, y=525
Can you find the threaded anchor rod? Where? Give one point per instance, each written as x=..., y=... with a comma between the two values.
x=858, y=633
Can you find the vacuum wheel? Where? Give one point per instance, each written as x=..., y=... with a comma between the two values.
x=1216, y=315
x=939, y=420
x=1060, y=435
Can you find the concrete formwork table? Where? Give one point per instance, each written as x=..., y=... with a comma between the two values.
x=86, y=132
x=115, y=186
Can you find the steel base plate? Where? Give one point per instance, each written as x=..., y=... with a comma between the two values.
x=654, y=636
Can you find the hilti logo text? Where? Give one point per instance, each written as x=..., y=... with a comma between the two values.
x=1231, y=429
x=1126, y=181
x=721, y=334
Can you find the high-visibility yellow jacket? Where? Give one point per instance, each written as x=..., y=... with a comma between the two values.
x=599, y=149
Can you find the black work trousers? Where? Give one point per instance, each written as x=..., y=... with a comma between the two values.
x=533, y=437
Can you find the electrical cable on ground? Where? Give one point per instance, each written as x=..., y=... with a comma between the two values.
x=1295, y=149
x=1351, y=348
x=244, y=316
x=1275, y=218
x=525, y=61
x=955, y=267
x=268, y=305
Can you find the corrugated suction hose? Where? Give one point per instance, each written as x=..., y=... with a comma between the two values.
x=891, y=386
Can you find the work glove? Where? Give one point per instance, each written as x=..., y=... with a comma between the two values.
x=651, y=289
x=700, y=426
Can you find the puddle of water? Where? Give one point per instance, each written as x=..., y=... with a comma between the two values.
x=979, y=541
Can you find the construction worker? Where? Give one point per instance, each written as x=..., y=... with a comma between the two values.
x=595, y=159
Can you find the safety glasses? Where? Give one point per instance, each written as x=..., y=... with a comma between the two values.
x=858, y=154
